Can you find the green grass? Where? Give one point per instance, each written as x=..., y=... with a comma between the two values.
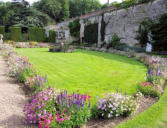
x=153, y=117
x=88, y=71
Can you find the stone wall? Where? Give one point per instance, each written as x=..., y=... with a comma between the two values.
x=123, y=22
x=62, y=32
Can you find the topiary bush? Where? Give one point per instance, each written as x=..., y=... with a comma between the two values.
x=15, y=33
x=52, y=36
x=37, y=34
x=91, y=33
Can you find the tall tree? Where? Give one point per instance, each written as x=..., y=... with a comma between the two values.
x=79, y=7
x=50, y=7
x=64, y=14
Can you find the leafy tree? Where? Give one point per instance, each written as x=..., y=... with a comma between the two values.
x=64, y=14
x=50, y=7
x=79, y=7
x=21, y=14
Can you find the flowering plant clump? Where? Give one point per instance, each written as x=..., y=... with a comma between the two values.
x=147, y=88
x=20, y=67
x=154, y=75
x=42, y=105
x=72, y=111
x=36, y=83
x=116, y=104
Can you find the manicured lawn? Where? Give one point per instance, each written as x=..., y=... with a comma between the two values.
x=87, y=71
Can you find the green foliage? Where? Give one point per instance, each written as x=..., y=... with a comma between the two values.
x=75, y=28
x=2, y=30
x=143, y=30
x=37, y=34
x=91, y=33
x=49, y=7
x=116, y=104
x=128, y=3
x=124, y=47
x=148, y=89
x=15, y=33
x=125, y=4
x=103, y=26
x=52, y=36
x=145, y=1
x=33, y=43
x=115, y=41
x=64, y=13
x=159, y=34
x=21, y=14
x=79, y=7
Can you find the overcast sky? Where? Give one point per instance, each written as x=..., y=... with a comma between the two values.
x=102, y=1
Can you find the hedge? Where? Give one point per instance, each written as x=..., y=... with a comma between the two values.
x=37, y=34
x=15, y=33
x=52, y=36
x=2, y=30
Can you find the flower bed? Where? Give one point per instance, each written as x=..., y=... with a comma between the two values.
x=53, y=108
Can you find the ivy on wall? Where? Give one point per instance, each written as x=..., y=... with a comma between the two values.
x=103, y=27
x=75, y=28
x=91, y=33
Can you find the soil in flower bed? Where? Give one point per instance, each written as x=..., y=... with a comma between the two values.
x=145, y=103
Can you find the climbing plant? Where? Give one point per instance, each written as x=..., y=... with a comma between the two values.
x=91, y=33
x=143, y=30
x=159, y=34
x=75, y=28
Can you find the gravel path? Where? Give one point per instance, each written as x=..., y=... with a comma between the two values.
x=12, y=99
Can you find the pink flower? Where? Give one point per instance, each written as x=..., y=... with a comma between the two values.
x=64, y=110
x=67, y=118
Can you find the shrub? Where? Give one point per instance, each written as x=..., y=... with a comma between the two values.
x=9, y=42
x=124, y=47
x=91, y=33
x=15, y=33
x=115, y=41
x=37, y=34
x=116, y=104
x=143, y=30
x=52, y=36
x=75, y=28
x=148, y=89
x=33, y=43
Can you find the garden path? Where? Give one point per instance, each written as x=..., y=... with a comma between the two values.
x=12, y=99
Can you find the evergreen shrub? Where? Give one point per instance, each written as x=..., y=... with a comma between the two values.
x=15, y=33
x=52, y=36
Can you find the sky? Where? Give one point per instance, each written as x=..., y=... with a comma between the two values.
x=102, y=1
